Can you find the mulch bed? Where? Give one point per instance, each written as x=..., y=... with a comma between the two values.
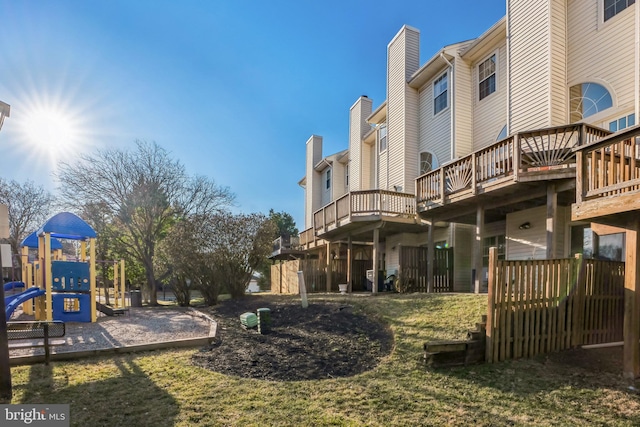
x=325, y=340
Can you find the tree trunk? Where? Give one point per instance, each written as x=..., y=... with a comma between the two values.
x=151, y=283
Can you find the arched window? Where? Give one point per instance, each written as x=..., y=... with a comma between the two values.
x=428, y=162
x=587, y=99
x=503, y=134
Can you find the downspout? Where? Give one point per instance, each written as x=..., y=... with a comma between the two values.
x=508, y=76
x=453, y=109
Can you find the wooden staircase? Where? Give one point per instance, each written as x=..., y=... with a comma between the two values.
x=439, y=354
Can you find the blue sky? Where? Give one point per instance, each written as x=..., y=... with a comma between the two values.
x=233, y=89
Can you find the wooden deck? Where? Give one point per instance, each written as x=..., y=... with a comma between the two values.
x=507, y=172
x=358, y=212
x=608, y=179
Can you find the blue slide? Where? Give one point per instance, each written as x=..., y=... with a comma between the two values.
x=20, y=298
x=13, y=285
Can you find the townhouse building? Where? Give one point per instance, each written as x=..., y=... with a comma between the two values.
x=473, y=148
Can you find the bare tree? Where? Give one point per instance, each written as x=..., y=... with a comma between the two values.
x=237, y=246
x=28, y=205
x=145, y=192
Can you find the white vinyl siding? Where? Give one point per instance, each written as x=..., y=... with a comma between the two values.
x=463, y=109
x=529, y=57
x=603, y=54
x=358, y=127
x=490, y=114
x=313, y=187
x=531, y=243
x=558, y=78
x=435, y=131
x=402, y=110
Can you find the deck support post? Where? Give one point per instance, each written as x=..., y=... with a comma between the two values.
x=631, y=328
x=349, y=263
x=477, y=249
x=376, y=243
x=430, y=257
x=329, y=267
x=552, y=220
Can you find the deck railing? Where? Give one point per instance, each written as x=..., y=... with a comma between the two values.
x=364, y=203
x=286, y=243
x=609, y=167
x=522, y=152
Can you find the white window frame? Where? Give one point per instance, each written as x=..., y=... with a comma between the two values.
x=445, y=92
x=327, y=179
x=618, y=121
x=385, y=138
x=434, y=162
x=601, y=11
x=495, y=73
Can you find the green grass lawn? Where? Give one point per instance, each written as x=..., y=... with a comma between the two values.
x=163, y=389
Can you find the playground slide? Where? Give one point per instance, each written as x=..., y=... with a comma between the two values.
x=13, y=285
x=20, y=298
x=108, y=310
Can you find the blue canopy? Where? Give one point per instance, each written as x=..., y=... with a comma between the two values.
x=66, y=225
x=31, y=241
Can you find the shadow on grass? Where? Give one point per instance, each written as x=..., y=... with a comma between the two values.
x=577, y=368
x=121, y=399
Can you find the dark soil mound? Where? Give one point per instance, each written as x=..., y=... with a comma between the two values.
x=325, y=340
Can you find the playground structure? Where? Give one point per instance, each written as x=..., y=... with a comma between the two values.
x=113, y=301
x=58, y=288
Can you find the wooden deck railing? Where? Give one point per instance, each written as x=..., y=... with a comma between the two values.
x=608, y=167
x=542, y=306
x=364, y=203
x=522, y=152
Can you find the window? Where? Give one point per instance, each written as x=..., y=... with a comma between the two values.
x=613, y=7
x=442, y=244
x=489, y=242
x=428, y=162
x=587, y=99
x=487, y=77
x=346, y=176
x=622, y=123
x=382, y=137
x=503, y=134
x=328, y=179
x=440, y=99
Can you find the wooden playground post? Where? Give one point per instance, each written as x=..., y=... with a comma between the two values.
x=48, y=277
x=92, y=276
x=122, y=283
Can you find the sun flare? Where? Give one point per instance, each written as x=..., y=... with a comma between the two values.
x=50, y=133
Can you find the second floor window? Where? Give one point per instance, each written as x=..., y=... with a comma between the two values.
x=346, y=176
x=440, y=89
x=487, y=77
x=613, y=7
x=382, y=137
x=328, y=179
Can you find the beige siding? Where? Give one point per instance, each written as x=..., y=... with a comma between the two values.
x=435, y=131
x=529, y=63
x=532, y=243
x=603, y=53
x=358, y=127
x=313, y=187
x=402, y=107
x=558, y=78
x=490, y=114
x=463, y=109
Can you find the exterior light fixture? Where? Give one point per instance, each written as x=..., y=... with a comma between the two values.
x=525, y=226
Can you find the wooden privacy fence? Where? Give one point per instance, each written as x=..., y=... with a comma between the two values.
x=414, y=267
x=541, y=306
